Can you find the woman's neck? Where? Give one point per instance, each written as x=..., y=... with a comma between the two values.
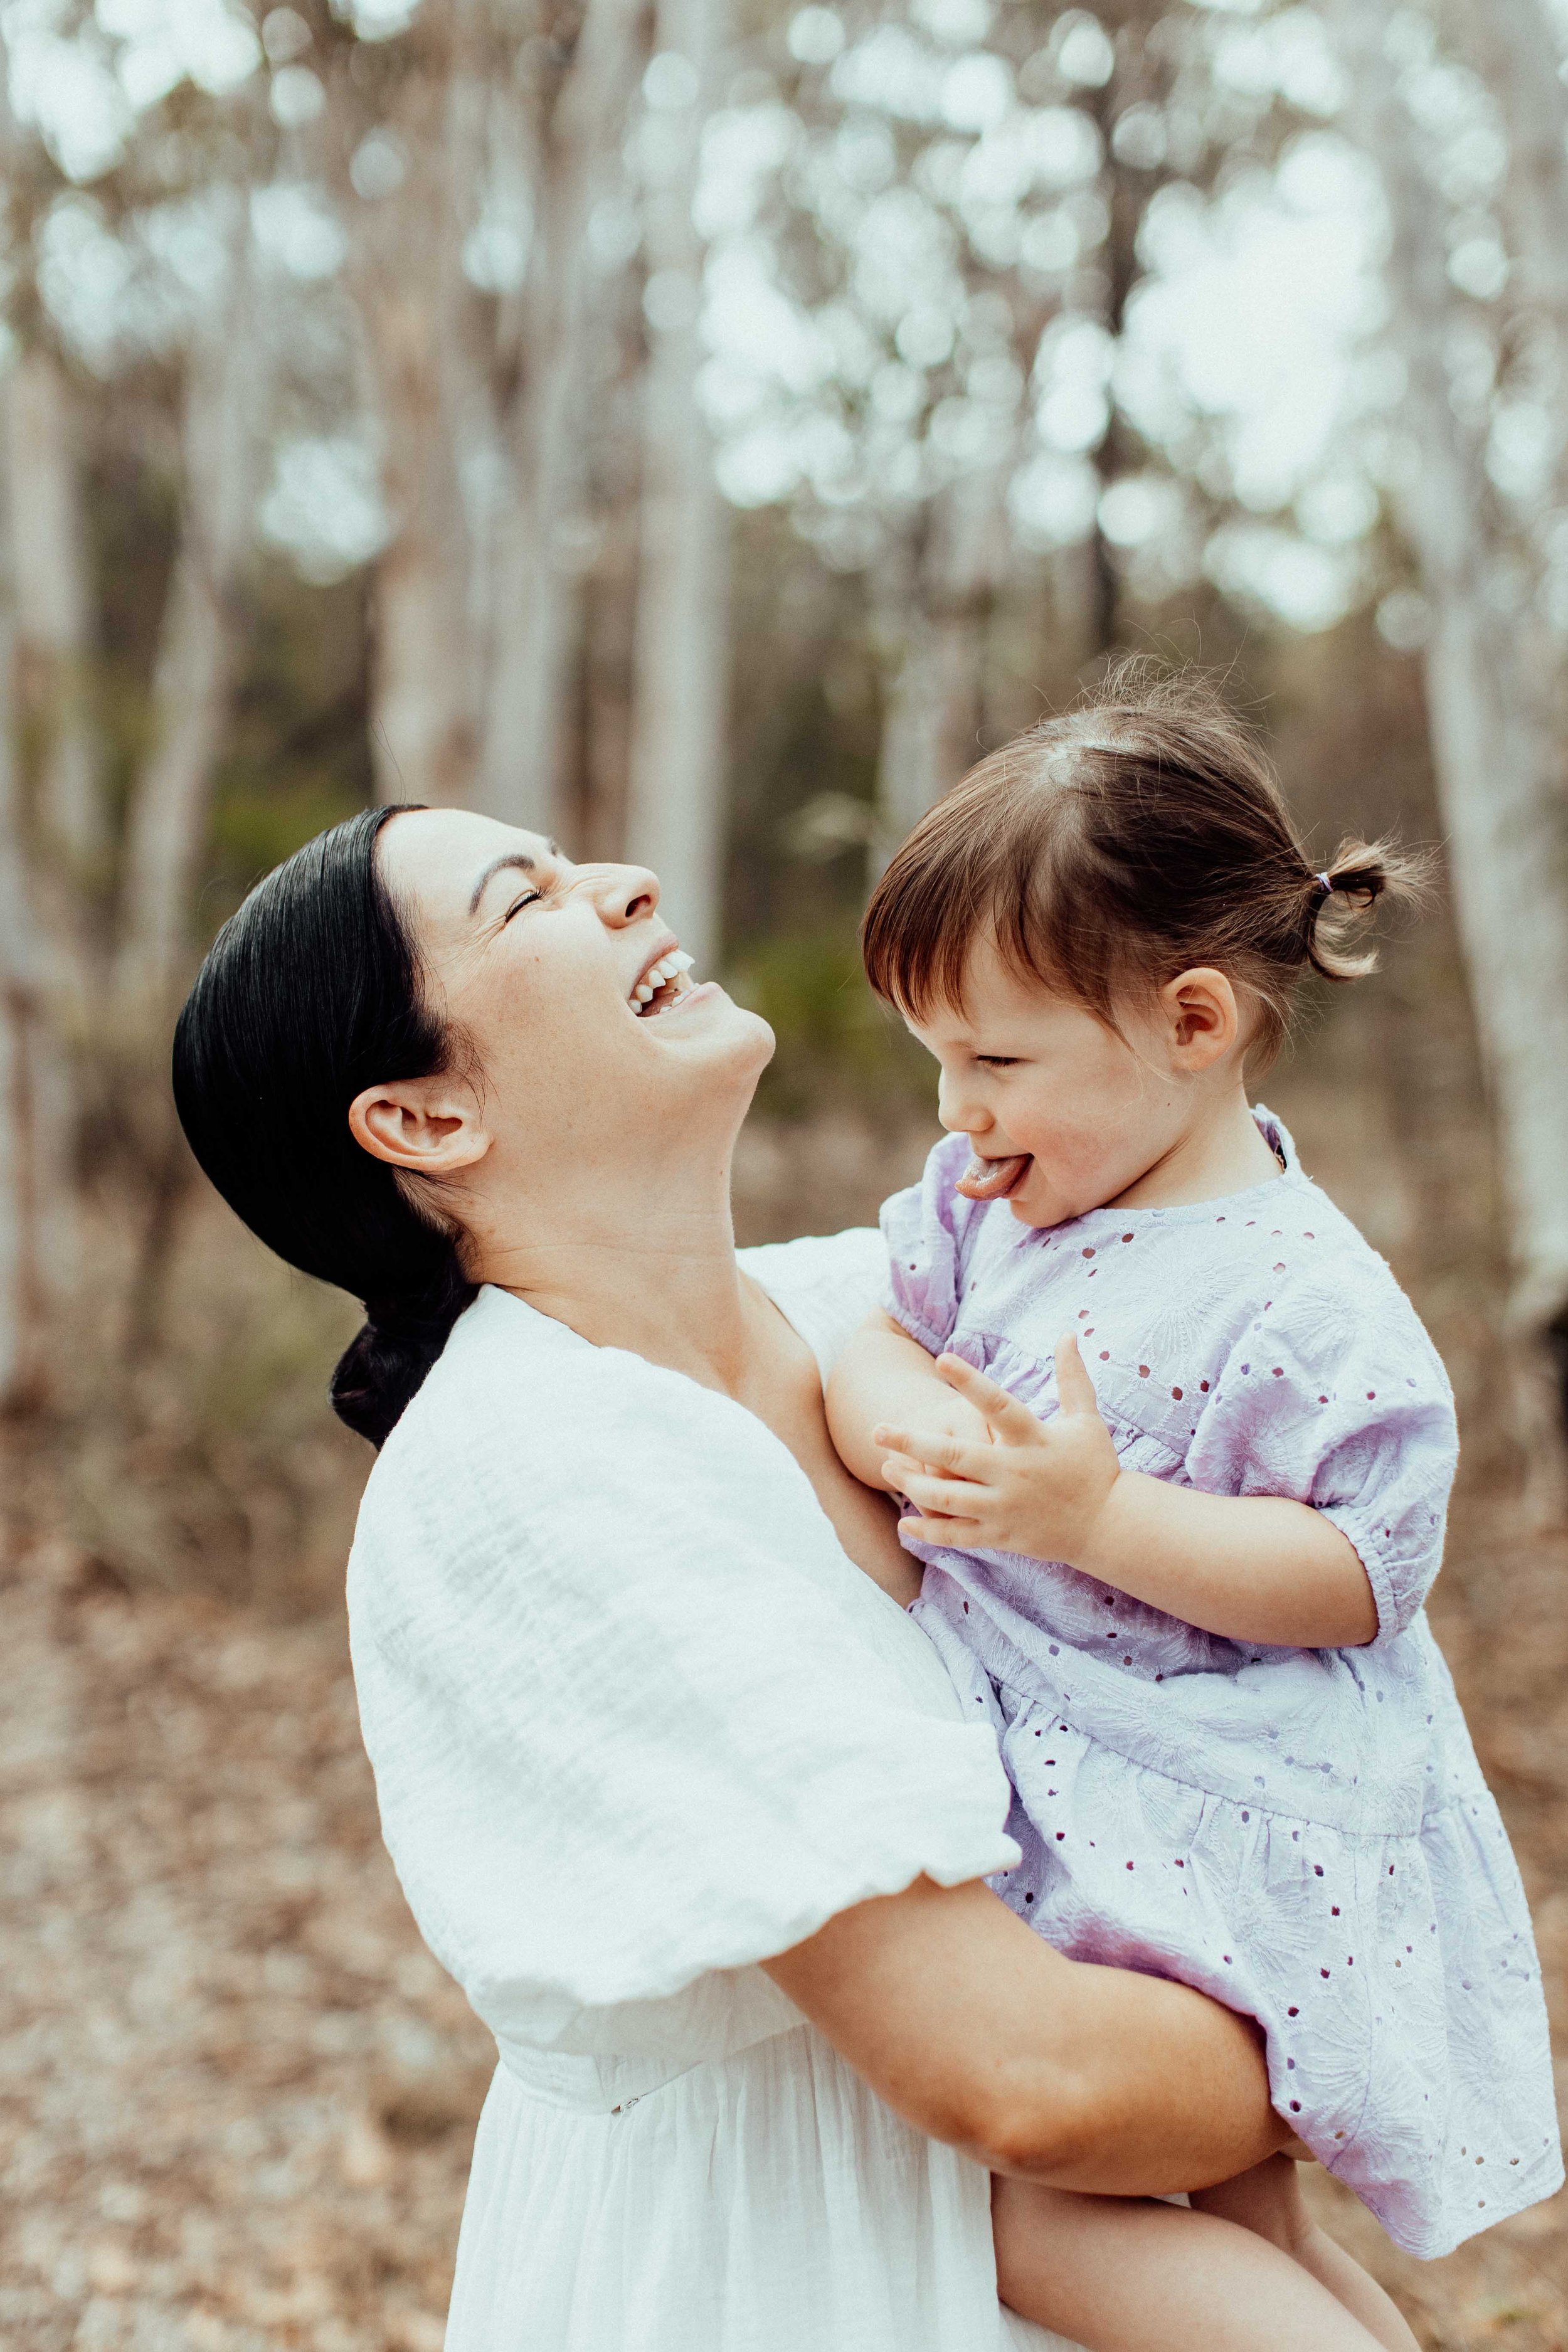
x=646, y=1265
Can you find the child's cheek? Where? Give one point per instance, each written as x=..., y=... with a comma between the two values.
x=1070, y=1149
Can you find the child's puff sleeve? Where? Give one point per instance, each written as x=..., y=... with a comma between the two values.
x=1341, y=1402
x=924, y=1229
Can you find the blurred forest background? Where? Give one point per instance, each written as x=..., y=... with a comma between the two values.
x=700, y=428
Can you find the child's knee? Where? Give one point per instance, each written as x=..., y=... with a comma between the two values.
x=1025, y=2222
x=1268, y=2200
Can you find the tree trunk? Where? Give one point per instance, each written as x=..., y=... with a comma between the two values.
x=35, y=1091
x=676, y=814
x=934, y=699
x=930, y=719
x=1496, y=677
x=194, y=676
x=424, y=737
x=190, y=697
x=535, y=595
x=419, y=321
x=597, y=830
x=53, y=624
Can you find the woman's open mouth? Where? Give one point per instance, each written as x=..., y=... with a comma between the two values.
x=662, y=983
x=993, y=1180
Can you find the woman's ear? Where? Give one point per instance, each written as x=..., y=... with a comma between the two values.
x=430, y=1126
x=1203, y=1018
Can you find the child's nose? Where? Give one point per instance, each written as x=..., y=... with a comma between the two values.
x=957, y=1113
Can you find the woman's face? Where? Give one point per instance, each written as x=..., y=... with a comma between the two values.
x=538, y=964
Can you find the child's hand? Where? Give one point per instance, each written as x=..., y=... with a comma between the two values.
x=1036, y=1487
x=947, y=1418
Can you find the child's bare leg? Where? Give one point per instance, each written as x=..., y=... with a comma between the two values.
x=1268, y=2201
x=1131, y=2275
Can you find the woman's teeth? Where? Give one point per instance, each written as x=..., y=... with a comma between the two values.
x=669, y=973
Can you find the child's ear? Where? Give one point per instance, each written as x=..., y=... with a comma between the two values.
x=1203, y=1018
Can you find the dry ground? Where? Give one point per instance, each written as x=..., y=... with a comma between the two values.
x=238, y=2096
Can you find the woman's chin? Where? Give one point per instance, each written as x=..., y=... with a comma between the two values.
x=706, y=1026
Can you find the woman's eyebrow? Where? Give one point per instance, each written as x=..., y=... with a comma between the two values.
x=518, y=857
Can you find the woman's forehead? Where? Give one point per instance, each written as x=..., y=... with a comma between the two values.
x=438, y=857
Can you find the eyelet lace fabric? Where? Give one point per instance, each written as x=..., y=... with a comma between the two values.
x=1303, y=1834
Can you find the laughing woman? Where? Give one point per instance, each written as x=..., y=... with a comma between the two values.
x=675, y=1788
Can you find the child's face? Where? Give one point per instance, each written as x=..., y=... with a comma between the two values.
x=1027, y=1071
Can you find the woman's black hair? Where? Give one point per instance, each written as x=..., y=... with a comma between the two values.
x=309, y=994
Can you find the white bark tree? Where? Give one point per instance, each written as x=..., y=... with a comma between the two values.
x=21, y=1300
x=427, y=386
x=674, y=819
x=533, y=592
x=165, y=830
x=53, y=608
x=35, y=1093
x=1496, y=667
x=938, y=600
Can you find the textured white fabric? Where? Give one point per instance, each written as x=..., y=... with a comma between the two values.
x=637, y=1723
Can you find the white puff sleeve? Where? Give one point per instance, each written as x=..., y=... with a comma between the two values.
x=622, y=1733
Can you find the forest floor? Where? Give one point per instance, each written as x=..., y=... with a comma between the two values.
x=237, y=2096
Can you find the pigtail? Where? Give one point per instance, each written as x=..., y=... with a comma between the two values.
x=1359, y=877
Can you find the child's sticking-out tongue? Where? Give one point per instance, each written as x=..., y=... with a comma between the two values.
x=991, y=1180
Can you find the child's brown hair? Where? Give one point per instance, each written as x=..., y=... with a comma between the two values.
x=1133, y=838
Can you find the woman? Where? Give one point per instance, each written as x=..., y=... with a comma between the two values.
x=677, y=1794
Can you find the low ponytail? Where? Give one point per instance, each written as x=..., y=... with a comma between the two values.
x=309, y=994
x=384, y=1366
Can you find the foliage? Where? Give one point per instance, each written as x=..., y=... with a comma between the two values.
x=836, y=1042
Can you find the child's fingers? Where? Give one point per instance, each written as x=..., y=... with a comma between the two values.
x=938, y=1452
x=1004, y=1412
x=946, y=1498
x=1075, y=1390
x=956, y=1535
x=897, y=1469
x=950, y=1456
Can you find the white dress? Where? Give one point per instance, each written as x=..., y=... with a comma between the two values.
x=637, y=1723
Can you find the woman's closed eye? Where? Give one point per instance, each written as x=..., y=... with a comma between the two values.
x=524, y=899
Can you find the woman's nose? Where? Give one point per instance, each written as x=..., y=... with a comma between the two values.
x=625, y=894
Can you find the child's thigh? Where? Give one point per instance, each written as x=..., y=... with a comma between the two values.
x=1120, y=2273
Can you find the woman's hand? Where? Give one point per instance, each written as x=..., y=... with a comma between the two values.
x=1041, y=1488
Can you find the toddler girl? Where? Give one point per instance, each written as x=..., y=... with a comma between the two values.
x=1178, y=1476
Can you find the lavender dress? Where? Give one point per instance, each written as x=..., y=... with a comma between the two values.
x=1304, y=1834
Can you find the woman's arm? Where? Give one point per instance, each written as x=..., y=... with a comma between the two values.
x=1249, y=1568
x=881, y=1375
x=978, y=2034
